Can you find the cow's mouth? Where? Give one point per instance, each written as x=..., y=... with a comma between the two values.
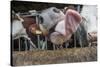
x=43, y=30
x=38, y=29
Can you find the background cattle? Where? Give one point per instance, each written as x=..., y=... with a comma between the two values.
x=90, y=14
x=19, y=32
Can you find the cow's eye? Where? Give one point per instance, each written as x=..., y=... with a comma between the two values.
x=56, y=10
x=41, y=19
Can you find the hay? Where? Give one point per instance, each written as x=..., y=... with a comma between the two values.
x=57, y=56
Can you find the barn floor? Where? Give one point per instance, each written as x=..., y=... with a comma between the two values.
x=68, y=55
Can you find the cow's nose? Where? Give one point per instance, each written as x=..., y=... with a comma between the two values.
x=43, y=29
x=32, y=28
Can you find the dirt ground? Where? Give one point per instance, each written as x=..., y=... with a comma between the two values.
x=68, y=55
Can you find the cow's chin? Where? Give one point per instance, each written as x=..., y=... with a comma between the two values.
x=63, y=33
x=57, y=38
x=60, y=27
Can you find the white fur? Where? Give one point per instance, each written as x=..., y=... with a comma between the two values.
x=61, y=27
x=19, y=31
x=90, y=14
x=51, y=18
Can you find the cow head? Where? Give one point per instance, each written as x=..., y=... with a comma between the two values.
x=50, y=17
x=66, y=27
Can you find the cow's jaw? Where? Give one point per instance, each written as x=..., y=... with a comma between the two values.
x=61, y=29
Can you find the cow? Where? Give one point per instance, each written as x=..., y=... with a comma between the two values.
x=86, y=33
x=18, y=31
x=47, y=19
x=64, y=25
x=90, y=14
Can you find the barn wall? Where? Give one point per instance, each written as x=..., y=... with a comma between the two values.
x=24, y=6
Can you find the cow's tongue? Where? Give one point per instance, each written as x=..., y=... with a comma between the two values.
x=70, y=24
x=72, y=20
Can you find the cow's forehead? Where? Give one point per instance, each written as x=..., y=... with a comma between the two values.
x=50, y=8
x=52, y=11
x=50, y=17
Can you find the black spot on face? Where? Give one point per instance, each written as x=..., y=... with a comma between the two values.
x=56, y=10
